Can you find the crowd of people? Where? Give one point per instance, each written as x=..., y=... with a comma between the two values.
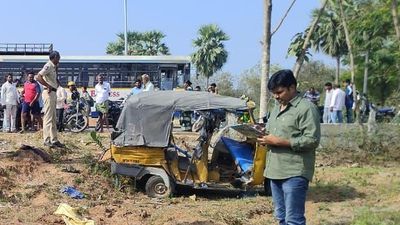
x=42, y=101
x=338, y=102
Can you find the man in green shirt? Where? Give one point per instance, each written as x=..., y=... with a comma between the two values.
x=293, y=134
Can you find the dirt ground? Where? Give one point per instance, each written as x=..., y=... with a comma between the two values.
x=346, y=185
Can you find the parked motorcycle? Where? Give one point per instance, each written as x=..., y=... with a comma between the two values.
x=383, y=115
x=76, y=116
x=115, y=108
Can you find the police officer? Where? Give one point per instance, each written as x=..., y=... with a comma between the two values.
x=48, y=78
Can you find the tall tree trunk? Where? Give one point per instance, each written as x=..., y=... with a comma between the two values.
x=337, y=70
x=396, y=23
x=395, y=19
x=365, y=84
x=265, y=63
x=300, y=59
x=349, y=47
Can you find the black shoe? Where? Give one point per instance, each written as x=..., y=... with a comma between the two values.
x=47, y=144
x=58, y=144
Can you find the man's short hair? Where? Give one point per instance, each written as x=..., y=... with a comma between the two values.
x=53, y=55
x=213, y=85
x=328, y=84
x=30, y=72
x=347, y=81
x=282, y=78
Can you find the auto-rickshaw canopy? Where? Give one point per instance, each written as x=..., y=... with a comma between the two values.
x=146, y=118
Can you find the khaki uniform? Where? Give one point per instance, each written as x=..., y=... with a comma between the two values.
x=50, y=100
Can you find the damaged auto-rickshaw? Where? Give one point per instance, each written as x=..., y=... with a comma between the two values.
x=144, y=146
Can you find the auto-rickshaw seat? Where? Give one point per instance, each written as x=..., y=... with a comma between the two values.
x=242, y=153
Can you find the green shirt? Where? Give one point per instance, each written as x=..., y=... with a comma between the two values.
x=298, y=123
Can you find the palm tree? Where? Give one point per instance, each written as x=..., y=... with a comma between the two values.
x=210, y=54
x=152, y=43
x=330, y=37
x=146, y=43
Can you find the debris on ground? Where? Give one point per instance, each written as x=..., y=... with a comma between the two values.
x=70, y=169
x=72, y=192
x=71, y=216
x=30, y=152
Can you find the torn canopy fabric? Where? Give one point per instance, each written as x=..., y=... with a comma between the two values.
x=146, y=119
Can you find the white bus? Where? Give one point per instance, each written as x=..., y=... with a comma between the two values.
x=166, y=72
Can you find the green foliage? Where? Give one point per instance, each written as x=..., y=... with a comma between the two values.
x=139, y=43
x=371, y=29
x=224, y=81
x=296, y=46
x=315, y=74
x=210, y=54
x=375, y=217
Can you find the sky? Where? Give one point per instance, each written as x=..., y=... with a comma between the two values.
x=85, y=27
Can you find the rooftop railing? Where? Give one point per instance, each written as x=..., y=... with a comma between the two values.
x=25, y=48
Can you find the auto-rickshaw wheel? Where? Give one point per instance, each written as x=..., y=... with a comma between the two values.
x=156, y=188
x=267, y=187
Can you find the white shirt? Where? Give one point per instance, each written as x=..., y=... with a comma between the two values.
x=328, y=98
x=148, y=86
x=102, y=92
x=9, y=94
x=61, y=97
x=338, y=97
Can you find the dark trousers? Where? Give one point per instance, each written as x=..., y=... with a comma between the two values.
x=60, y=119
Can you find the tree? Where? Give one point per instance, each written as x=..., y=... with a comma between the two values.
x=395, y=19
x=315, y=74
x=210, y=54
x=265, y=63
x=224, y=81
x=249, y=85
x=146, y=43
x=307, y=40
x=330, y=38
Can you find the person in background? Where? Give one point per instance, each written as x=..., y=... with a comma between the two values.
x=213, y=88
x=349, y=101
x=87, y=97
x=326, y=118
x=30, y=105
x=9, y=101
x=337, y=104
x=312, y=95
x=147, y=85
x=74, y=93
x=137, y=87
x=38, y=119
x=188, y=86
x=61, y=100
x=292, y=134
x=102, y=91
x=48, y=78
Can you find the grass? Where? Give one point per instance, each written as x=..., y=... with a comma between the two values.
x=377, y=217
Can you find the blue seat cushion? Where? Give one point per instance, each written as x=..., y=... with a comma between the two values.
x=241, y=153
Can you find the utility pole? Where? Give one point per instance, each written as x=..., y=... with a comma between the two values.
x=126, y=26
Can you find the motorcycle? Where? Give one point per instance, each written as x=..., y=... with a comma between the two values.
x=76, y=116
x=115, y=108
x=384, y=114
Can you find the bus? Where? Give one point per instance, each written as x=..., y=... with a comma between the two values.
x=166, y=72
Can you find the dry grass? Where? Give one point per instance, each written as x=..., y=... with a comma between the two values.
x=352, y=187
